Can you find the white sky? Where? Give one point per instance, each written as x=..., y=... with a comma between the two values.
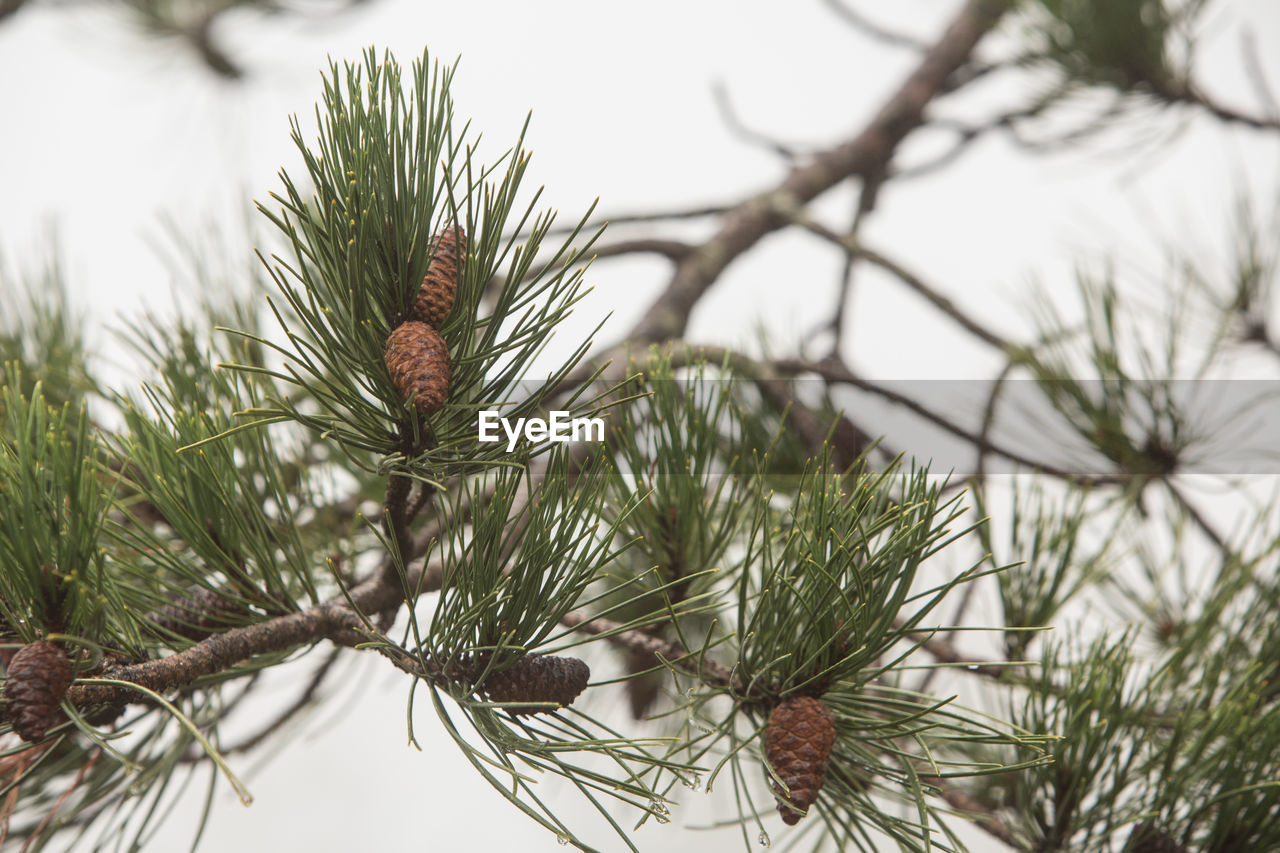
x=103, y=133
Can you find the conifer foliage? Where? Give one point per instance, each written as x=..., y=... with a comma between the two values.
x=738, y=588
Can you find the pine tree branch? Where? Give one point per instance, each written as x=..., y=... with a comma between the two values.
x=836, y=372
x=673, y=653
x=866, y=154
x=868, y=196
x=880, y=33
x=984, y=817
x=738, y=128
x=1258, y=77
x=673, y=250
x=1191, y=95
x=10, y=7
x=211, y=52
x=221, y=651
x=641, y=642
x=639, y=217
x=944, y=651
x=395, y=517
x=855, y=249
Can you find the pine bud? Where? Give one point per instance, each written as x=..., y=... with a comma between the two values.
x=435, y=297
x=419, y=363
x=798, y=742
x=34, y=686
x=556, y=681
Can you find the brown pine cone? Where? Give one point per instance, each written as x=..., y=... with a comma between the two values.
x=435, y=297
x=38, y=677
x=557, y=681
x=196, y=616
x=1146, y=838
x=418, y=359
x=798, y=742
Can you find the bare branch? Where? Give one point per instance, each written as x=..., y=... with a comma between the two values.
x=1258, y=77
x=1193, y=96
x=737, y=127
x=747, y=223
x=10, y=7
x=874, y=30
x=835, y=372
x=851, y=245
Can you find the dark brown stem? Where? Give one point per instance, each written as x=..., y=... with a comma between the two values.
x=222, y=651
x=1206, y=527
x=395, y=519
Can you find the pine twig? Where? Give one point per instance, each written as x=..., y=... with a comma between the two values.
x=220, y=652
x=395, y=519
x=855, y=249
x=639, y=641
x=982, y=816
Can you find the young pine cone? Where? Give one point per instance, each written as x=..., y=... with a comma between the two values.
x=38, y=677
x=553, y=680
x=798, y=742
x=419, y=363
x=435, y=297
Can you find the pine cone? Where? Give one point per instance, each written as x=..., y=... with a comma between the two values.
x=196, y=616
x=798, y=742
x=419, y=363
x=1146, y=838
x=554, y=680
x=435, y=297
x=38, y=677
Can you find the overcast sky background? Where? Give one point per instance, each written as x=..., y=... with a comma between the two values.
x=106, y=133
